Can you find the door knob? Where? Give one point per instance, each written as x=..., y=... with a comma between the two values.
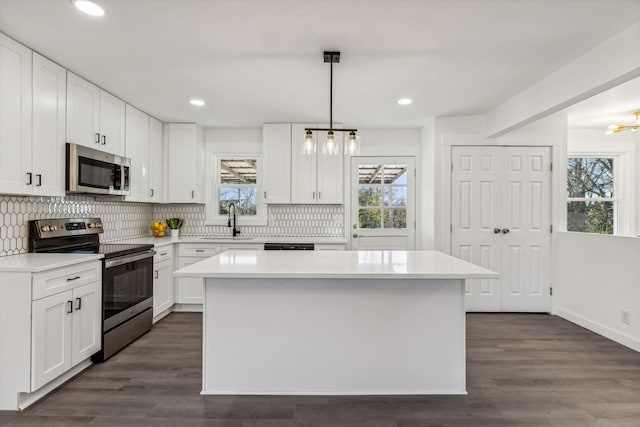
x=505, y=231
x=355, y=234
x=496, y=230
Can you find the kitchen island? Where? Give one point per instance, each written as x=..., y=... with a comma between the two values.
x=335, y=322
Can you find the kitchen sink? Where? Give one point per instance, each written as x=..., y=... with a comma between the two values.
x=228, y=238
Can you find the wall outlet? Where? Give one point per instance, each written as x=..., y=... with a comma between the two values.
x=625, y=316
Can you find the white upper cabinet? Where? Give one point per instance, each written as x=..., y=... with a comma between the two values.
x=315, y=178
x=137, y=144
x=277, y=162
x=15, y=117
x=95, y=118
x=156, y=162
x=49, y=107
x=186, y=163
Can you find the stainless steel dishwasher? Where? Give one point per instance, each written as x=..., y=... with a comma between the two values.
x=289, y=246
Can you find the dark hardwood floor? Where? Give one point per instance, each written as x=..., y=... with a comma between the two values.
x=523, y=370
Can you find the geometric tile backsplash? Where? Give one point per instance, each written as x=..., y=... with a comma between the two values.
x=126, y=220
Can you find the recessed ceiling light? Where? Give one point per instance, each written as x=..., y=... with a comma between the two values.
x=404, y=101
x=197, y=102
x=89, y=7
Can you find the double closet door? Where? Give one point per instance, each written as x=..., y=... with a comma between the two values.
x=501, y=220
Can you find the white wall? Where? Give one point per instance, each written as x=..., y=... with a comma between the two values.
x=594, y=279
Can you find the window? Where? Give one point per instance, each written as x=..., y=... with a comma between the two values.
x=593, y=202
x=382, y=196
x=236, y=180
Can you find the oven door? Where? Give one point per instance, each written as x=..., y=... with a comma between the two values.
x=127, y=287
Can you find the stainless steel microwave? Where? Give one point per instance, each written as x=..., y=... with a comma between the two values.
x=96, y=172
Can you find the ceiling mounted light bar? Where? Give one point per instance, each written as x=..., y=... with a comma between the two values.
x=619, y=128
x=330, y=145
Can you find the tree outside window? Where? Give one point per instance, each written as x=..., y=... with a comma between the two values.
x=592, y=203
x=382, y=196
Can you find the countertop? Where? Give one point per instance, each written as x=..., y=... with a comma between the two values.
x=377, y=264
x=34, y=263
x=159, y=242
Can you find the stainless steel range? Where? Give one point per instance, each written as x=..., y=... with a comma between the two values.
x=127, y=276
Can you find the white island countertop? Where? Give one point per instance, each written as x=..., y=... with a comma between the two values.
x=372, y=264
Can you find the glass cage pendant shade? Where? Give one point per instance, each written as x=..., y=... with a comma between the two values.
x=352, y=145
x=330, y=145
x=308, y=143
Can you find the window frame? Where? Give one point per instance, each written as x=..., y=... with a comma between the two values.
x=212, y=176
x=623, y=215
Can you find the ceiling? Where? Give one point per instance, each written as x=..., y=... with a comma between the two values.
x=257, y=61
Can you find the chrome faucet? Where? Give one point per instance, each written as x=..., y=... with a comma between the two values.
x=235, y=230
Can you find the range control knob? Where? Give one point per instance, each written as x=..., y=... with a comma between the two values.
x=91, y=225
x=44, y=228
x=99, y=225
x=53, y=228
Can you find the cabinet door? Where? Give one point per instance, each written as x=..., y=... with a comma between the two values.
x=189, y=290
x=330, y=173
x=87, y=322
x=137, y=148
x=49, y=108
x=112, y=119
x=303, y=167
x=83, y=112
x=163, y=293
x=15, y=117
x=277, y=163
x=51, y=338
x=156, y=161
x=183, y=170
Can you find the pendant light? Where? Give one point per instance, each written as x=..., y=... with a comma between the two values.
x=331, y=145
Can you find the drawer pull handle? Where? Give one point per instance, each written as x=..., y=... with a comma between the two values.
x=71, y=279
x=79, y=301
x=70, y=306
x=199, y=250
x=163, y=254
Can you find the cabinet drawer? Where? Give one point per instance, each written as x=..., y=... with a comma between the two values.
x=162, y=254
x=199, y=249
x=62, y=279
x=242, y=247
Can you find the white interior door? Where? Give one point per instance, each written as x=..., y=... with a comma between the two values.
x=500, y=219
x=475, y=215
x=526, y=255
x=383, y=203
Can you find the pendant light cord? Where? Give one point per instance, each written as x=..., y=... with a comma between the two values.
x=331, y=95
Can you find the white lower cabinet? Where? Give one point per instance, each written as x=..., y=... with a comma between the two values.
x=52, y=325
x=190, y=290
x=66, y=330
x=163, y=289
x=51, y=338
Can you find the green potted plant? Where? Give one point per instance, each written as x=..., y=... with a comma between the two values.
x=174, y=224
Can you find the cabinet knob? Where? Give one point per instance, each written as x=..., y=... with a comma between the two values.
x=505, y=231
x=355, y=235
x=496, y=230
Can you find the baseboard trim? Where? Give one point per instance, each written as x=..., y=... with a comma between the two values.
x=27, y=399
x=335, y=393
x=193, y=308
x=599, y=328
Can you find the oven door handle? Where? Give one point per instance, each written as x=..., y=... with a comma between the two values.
x=115, y=262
